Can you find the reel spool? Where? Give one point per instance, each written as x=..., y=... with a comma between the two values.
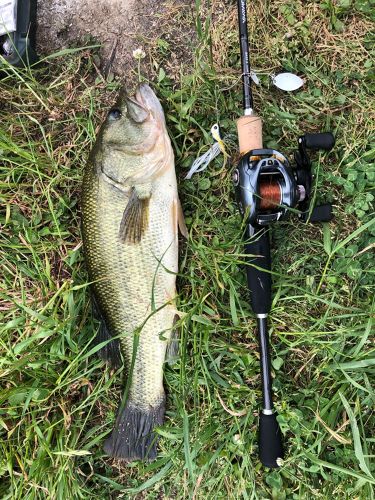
x=270, y=195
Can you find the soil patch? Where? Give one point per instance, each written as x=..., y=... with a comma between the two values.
x=119, y=26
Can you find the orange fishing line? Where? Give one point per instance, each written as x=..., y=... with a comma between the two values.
x=270, y=195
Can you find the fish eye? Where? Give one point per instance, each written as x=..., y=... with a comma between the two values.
x=114, y=114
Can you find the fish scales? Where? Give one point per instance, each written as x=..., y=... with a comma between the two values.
x=133, y=282
x=127, y=273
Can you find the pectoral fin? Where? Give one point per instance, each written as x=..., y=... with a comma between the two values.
x=135, y=219
x=179, y=218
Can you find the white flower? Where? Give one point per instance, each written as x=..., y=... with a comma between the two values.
x=139, y=53
x=237, y=440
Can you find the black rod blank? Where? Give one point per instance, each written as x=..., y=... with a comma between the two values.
x=245, y=55
x=265, y=364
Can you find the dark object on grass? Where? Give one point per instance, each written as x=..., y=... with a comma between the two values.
x=267, y=187
x=18, y=47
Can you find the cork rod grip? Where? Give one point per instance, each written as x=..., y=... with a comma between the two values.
x=249, y=129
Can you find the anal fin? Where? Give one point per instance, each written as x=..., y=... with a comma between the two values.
x=110, y=352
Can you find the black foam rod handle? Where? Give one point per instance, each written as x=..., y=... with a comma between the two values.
x=324, y=141
x=270, y=443
x=258, y=271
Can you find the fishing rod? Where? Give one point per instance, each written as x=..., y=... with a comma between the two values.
x=267, y=186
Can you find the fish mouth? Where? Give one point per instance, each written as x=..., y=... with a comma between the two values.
x=136, y=109
x=146, y=97
x=143, y=104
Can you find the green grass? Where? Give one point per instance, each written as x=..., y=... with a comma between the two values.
x=58, y=401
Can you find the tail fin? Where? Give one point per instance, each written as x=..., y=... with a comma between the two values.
x=133, y=436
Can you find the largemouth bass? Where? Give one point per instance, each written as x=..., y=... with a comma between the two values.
x=130, y=217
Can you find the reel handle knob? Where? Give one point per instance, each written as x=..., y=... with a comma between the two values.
x=323, y=141
x=320, y=213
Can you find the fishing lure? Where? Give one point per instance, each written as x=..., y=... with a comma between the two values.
x=202, y=162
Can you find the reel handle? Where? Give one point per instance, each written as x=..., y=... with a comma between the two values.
x=323, y=141
x=259, y=279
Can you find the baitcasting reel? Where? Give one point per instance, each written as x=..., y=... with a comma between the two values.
x=267, y=186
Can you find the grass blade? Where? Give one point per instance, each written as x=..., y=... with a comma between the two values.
x=356, y=437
